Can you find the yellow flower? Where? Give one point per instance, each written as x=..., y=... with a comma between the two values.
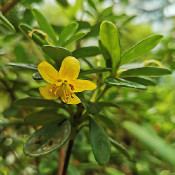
x=64, y=83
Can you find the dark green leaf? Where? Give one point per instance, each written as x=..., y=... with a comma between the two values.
x=36, y=102
x=121, y=148
x=86, y=52
x=45, y=26
x=145, y=71
x=64, y=3
x=110, y=39
x=91, y=4
x=26, y=66
x=124, y=83
x=43, y=117
x=100, y=143
x=67, y=32
x=107, y=104
x=37, y=76
x=6, y=22
x=152, y=141
x=13, y=111
x=50, y=137
x=141, y=48
x=94, y=70
x=56, y=53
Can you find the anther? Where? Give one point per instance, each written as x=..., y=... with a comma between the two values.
x=59, y=80
x=72, y=95
x=71, y=86
x=65, y=81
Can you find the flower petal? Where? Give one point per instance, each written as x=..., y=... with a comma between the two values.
x=45, y=91
x=70, y=68
x=82, y=85
x=48, y=72
x=70, y=100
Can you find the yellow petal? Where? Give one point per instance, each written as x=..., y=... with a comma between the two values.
x=48, y=72
x=70, y=68
x=82, y=85
x=70, y=100
x=45, y=91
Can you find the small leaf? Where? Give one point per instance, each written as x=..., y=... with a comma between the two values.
x=37, y=76
x=26, y=66
x=6, y=23
x=91, y=4
x=45, y=26
x=124, y=83
x=75, y=37
x=140, y=80
x=50, y=137
x=110, y=39
x=145, y=71
x=94, y=70
x=67, y=32
x=121, y=148
x=91, y=108
x=64, y=3
x=43, y=117
x=100, y=143
x=141, y=48
x=107, y=104
x=56, y=53
x=86, y=52
x=36, y=102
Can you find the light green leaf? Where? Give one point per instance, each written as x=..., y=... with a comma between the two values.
x=94, y=70
x=6, y=23
x=110, y=39
x=141, y=48
x=86, y=52
x=152, y=141
x=45, y=26
x=100, y=143
x=124, y=83
x=50, y=137
x=26, y=66
x=67, y=32
x=145, y=71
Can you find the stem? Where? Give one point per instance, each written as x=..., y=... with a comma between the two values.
x=102, y=93
x=61, y=160
x=69, y=150
x=8, y=6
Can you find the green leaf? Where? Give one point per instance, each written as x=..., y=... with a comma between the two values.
x=26, y=66
x=37, y=76
x=91, y=108
x=86, y=52
x=110, y=40
x=45, y=26
x=152, y=141
x=141, y=48
x=64, y=3
x=107, y=104
x=36, y=37
x=121, y=148
x=36, y=102
x=140, y=80
x=50, y=137
x=105, y=13
x=75, y=37
x=124, y=83
x=100, y=143
x=94, y=70
x=145, y=71
x=43, y=117
x=56, y=53
x=91, y=4
x=67, y=32
x=6, y=23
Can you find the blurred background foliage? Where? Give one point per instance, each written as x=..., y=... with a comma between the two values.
x=153, y=109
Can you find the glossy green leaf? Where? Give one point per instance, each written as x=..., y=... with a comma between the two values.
x=121, y=148
x=37, y=76
x=6, y=23
x=45, y=26
x=145, y=71
x=67, y=32
x=105, y=13
x=50, y=137
x=91, y=108
x=56, y=53
x=26, y=66
x=100, y=143
x=107, y=104
x=43, y=117
x=124, y=83
x=75, y=37
x=140, y=80
x=86, y=52
x=36, y=102
x=38, y=38
x=94, y=70
x=141, y=48
x=110, y=39
x=152, y=141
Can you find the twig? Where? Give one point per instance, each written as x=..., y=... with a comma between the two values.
x=8, y=6
x=61, y=160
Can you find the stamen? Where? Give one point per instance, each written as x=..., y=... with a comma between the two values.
x=72, y=95
x=52, y=88
x=59, y=80
x=72, y=87
x=65, y=81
